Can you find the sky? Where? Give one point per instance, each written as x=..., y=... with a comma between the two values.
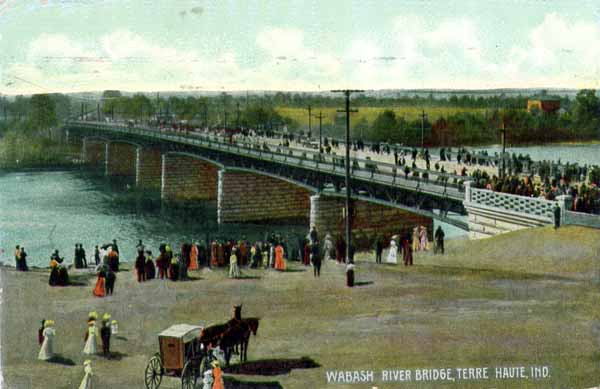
x=297, y=45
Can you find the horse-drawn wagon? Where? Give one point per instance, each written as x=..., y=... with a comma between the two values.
x=181, y=355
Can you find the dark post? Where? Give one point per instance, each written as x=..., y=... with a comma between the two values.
x=347, y=93
x=82, y=108
x=237, y=114
x=309, y=122
x=503, y=149
x=98, y=111
x=423, y=117
x=320, y=117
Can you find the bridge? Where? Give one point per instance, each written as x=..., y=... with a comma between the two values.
x=254, y=182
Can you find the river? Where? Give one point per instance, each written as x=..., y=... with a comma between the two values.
x=585, y=153
x=57, y=209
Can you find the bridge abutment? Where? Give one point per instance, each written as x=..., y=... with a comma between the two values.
x=95, y=153
x=250, y=197
x=185, y=178
x=367, y=219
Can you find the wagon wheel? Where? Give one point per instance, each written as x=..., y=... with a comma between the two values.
x=153, y=373
x=189, y=375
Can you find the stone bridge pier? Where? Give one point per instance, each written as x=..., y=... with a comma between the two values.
x=248, y=196
x=367, y=219
x=187, y=177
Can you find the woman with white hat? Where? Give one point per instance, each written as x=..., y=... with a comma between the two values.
x=90, y=338
x=47, y=350
x=86, y=382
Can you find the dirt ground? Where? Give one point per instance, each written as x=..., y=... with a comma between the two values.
x=521, y=299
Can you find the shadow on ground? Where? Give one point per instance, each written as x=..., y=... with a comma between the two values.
x=363, y=283
x=116, y=355
x=60, y=360
x=233, y=383
x=271, y=367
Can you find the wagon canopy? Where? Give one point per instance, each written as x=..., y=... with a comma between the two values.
x=185, y=332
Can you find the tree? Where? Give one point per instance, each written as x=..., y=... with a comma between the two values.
x=384, y=125
x=586, y=111
x=43, y=113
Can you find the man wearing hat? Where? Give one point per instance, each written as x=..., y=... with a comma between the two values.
x=105, y=333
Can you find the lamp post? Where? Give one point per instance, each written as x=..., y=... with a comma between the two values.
x=320, y=117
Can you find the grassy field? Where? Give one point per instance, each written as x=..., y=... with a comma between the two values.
x=300, y=115
x=521, y=299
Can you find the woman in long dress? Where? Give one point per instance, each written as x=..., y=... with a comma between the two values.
x=99, y=290
x=234, y=269
x=393, y=253
x=86, y=382
x=423, y=239
x=194, y=257
x=47, y=350
x=90, y=339
x=279, y=260
x=415, y=239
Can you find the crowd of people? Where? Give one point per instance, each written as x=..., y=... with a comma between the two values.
x=93, y=336
x=586, y=196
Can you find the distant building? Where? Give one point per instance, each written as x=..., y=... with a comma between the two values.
x=548, y=104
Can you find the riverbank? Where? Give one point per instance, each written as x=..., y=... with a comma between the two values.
x=520, y=299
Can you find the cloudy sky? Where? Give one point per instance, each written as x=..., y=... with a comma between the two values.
x=311, y=45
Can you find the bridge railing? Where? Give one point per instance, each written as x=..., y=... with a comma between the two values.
x=532, y=206
x=375, y=171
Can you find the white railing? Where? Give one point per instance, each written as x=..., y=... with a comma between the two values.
x=530, y=206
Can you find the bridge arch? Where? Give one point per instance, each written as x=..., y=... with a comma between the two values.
x=188, y=176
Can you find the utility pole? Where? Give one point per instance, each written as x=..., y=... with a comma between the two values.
x=82, y=108
x=347, y=93
x=320, y=117
x=157, y=107
x=237, y=114
x=309, y=122
x=98, y=111
x=423, y=117
x=224, y=109
x=503, y=130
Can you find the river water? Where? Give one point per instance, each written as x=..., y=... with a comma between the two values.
x=46, y=210
x=580, y=153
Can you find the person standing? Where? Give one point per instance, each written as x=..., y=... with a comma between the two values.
x=23, y=260
x=77, y=258
x=105, y=333
x=97, y=255
x=423, y=238
x=234, y=270
x=207, y=380
x=378, y=249
x=279, y=259
x=18, y=257
x=194, y=256
x=140, y=247
x=82, y=256
x=47, y=349
x=149, y=268
x=407, y=251
x=86, y=382
x=393, y=253
x=316, y=259
x=415, y=239
x=218, y=376
x=111, y=278
x=556, y=216
x=100, y=290
x=140, y=266
x=90, y=338
x=439, y=240
x=41, y=332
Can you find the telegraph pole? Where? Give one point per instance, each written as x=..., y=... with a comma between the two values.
x=423, y=117
x=98, y=111
x=320, y=117
x=237, y=114
x=347, y=93
x=503, y=130
x=309, y=122
x=82, y=108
